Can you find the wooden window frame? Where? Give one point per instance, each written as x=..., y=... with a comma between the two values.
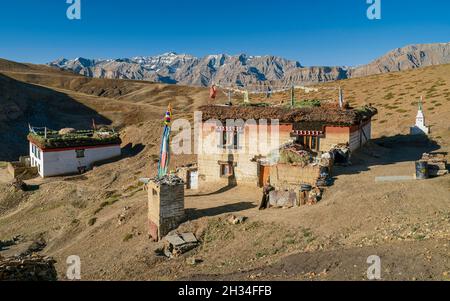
x=233, y=143
x=310, y=141
x=231, y=167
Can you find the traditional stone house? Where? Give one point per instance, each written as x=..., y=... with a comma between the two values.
x=243, y=151
x=56, y=153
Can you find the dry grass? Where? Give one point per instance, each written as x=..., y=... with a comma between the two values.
x=395, y=95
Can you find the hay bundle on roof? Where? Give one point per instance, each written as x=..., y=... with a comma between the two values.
x=66, y=131
x=329, y=115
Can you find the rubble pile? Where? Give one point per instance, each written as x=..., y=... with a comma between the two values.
x=437, y=164
x=315, y=195
x=310, y=195
x=325, y=163
x=236, y=220
x=10, y=242
x=341, y=154
x=177, y=244
x=27, y=268
x=169, y=180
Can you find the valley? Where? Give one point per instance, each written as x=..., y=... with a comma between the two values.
x=407, y=223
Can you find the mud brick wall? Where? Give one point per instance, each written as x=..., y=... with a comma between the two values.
x=245, y=167
x=165, y=208
x=245, y=170
x=333, y=136
x=285, y=176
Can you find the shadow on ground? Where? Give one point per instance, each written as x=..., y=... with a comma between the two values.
x=387, y=151
x=131, y=150
x=193, y=214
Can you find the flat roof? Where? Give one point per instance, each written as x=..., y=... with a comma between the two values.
x=50, y=139
x=322, y=115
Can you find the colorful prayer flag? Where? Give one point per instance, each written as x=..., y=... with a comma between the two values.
x=164, y=159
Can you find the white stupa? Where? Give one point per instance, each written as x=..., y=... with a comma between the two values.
x=420, y=128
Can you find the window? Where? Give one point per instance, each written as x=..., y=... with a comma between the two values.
x=230, y=140
x=226, y=170
x=36, y=152
x=311, y=142
x=79, y=153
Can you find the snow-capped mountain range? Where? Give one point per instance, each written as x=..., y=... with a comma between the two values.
x=246, y=70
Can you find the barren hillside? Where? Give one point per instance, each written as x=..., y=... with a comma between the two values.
x=101, y=216
x=43, y=96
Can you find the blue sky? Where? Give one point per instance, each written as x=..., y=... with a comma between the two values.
x=314, y=32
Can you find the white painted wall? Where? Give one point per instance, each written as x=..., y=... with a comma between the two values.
x=357, y=139
x=36, y=156
x=55, y=163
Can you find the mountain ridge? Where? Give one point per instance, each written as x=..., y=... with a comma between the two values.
x=244, y=70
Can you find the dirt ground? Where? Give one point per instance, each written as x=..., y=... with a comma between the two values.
x=407, y=224
x=5, y=177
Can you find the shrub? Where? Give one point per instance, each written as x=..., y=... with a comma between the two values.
x=128, y=237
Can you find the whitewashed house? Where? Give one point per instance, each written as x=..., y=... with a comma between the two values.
x=56, y=154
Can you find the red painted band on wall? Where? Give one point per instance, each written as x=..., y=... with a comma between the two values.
x=53, y=150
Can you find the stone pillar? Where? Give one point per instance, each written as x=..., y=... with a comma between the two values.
x=165, y=206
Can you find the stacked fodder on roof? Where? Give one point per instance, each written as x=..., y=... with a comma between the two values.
x=323, y=115
x=71, y=138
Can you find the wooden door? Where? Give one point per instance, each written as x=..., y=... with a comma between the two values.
x=264, y=175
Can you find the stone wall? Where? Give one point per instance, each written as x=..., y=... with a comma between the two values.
x=27, y=268
x=165, y=208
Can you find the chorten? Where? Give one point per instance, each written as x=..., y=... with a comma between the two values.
x=420, y=128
